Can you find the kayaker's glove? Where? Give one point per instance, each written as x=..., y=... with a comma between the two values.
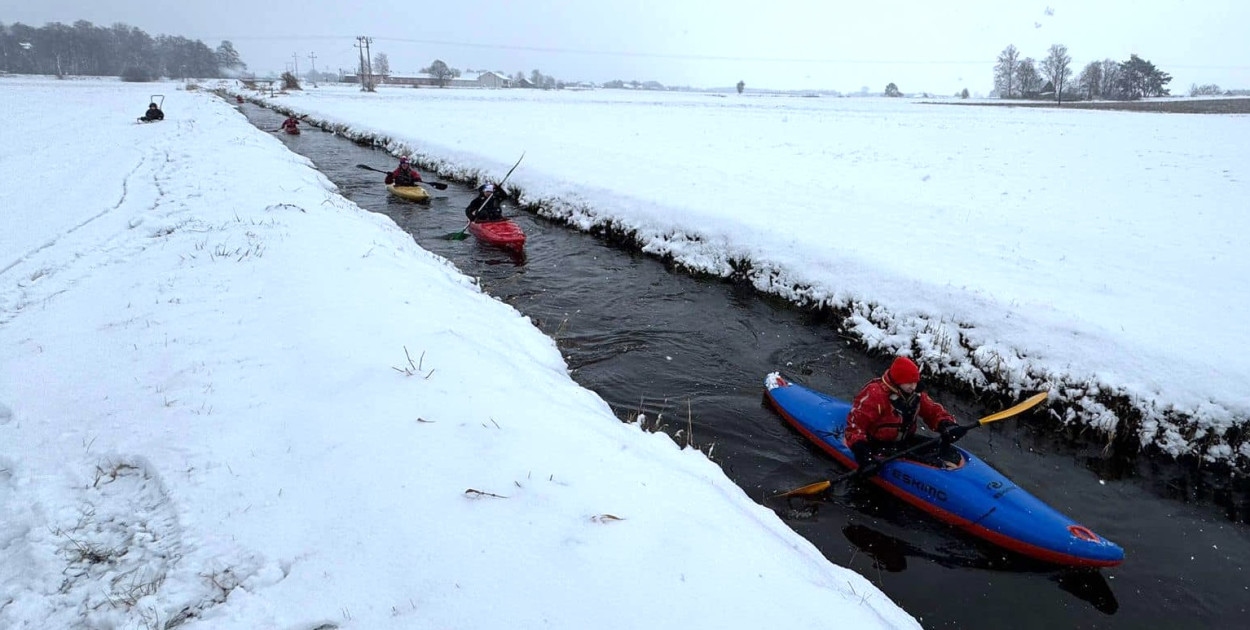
x=951, y=432
x=863, y=454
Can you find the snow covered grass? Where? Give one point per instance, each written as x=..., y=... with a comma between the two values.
x=1008, y=249
x=230, y=398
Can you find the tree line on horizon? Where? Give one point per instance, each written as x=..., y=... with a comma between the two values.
x=1130, y=80
x=118, y=50
x=444, y=73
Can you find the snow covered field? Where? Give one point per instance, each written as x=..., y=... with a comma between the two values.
x=1099, y=254
x=209, y=417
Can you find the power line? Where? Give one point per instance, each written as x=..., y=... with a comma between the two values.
x=684, y=56
x=612, y=53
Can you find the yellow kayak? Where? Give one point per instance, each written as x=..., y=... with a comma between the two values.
x=411, y=193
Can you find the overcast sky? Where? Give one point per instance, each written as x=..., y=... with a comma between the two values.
x=922, y=45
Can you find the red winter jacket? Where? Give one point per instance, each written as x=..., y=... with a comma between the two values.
x=403, y=177
x=290, y=122
x=883, y=413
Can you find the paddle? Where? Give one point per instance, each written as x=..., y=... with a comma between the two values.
x=821, y=486
x=463, y=233
x=438, y=185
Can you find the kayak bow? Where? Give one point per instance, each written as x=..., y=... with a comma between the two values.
x=504, y=233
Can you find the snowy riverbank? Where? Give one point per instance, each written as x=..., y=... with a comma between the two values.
x=209, y=418
x=1092, y=253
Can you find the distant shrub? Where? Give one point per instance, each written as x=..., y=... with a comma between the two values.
x=137, y=74
x=289, y=81
x=1205, y=90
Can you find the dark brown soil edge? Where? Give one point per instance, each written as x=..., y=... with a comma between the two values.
x=1192, y=106
x=1125, y=451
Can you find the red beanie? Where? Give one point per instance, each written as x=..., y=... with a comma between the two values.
x=904, y=371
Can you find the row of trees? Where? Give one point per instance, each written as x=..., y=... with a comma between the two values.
x=617, y=84
x=1211, y=89
x=441, y=71
x=1107, y=79
x=118, y=50
x=444, y=73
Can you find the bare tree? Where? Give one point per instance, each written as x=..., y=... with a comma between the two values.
x=1057, y=68
x=1090, y=81
x=1030, y=80
x=1109, y=82
x=1005, y=71
x=382, y=65
x=1209, y=89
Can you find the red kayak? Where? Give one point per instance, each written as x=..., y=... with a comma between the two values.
x=292, y=130
x=502, y=233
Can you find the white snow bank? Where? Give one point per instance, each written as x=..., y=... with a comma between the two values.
x=209, y=419
x=1092, y=253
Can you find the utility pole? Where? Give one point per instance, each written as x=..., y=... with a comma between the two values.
x=312, y=57
x=369, y=62
x=366, y=67
x=360, y=74
x=295, y=65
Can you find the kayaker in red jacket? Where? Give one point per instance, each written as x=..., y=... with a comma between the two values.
x=404, y=175
x=884, y=413
x=290, y=124
x=484, y=208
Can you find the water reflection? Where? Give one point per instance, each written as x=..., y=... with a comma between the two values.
x=890, y=554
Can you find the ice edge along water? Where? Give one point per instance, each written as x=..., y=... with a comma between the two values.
x=958, y=350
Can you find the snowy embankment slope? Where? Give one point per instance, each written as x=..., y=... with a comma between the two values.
x=208, y=419
x=1092, y=253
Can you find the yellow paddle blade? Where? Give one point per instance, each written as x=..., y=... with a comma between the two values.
x=809, y=489
x=1029, y=403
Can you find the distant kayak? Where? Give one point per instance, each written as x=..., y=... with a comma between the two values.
x=966, y=492
x=502, y=233
x=411, y=193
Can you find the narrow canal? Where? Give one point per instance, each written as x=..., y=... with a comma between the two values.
x=648, y=339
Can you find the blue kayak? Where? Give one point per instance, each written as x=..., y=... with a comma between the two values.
x=969, y=494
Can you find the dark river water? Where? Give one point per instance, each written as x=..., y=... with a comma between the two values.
x=645, y=337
